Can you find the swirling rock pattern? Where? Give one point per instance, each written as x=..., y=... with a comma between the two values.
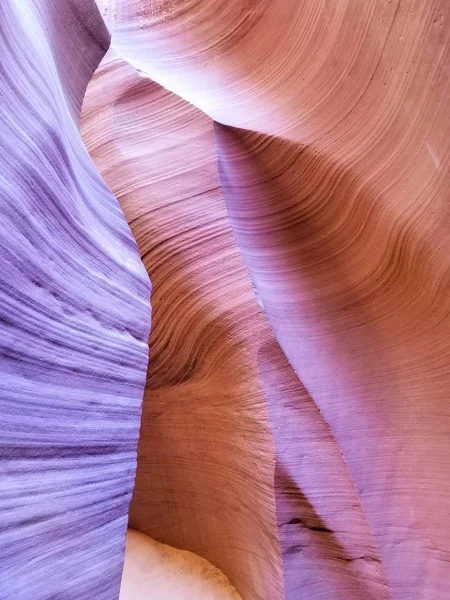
x=74, y=319
x=334, y=151
x=204, y=477
x=357, y=296
x=341, y=214
x=205, y=458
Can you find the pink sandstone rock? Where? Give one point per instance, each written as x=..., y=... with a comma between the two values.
x=296, y=425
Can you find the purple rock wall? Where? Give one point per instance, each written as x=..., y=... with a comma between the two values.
x=74, y=319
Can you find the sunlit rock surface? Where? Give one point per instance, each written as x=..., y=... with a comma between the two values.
x=156, y=571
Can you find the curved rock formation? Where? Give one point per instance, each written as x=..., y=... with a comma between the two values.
x=206, y=464
x=341, y=217
x=308, y=458
x=74, y=319
x=356, y=292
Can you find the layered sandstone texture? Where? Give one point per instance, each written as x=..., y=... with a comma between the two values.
x=206, y=460
x=74, y=319
x=283, y=167
x=332, y=138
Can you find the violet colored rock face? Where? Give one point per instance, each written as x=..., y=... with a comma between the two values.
x=339, y=207
x=74, y=319
x=356, y=294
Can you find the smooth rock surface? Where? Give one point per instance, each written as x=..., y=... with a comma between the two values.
x=205, y=458
x=155, y=571
x=322, y=461
x=341, y=214
x=74, y=319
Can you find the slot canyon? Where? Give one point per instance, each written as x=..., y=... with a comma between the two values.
x=224, y=300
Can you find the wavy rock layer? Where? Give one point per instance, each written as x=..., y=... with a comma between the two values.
x=205, y=476
x=357, y=298
x=341, y=214
x=74, y=319
x=206, y=465
x=340, y=209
